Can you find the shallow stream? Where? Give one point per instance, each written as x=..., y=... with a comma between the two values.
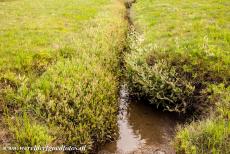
x=142, y=129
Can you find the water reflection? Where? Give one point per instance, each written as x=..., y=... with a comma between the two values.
x=142, y=128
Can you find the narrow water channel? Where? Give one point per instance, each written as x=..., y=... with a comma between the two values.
x=142, y=129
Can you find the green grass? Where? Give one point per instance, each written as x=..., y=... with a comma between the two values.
x=191, y=37
x=178, y=50
x=210, y=135
x=59, y=63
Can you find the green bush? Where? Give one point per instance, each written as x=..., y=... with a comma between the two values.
x=155, y=79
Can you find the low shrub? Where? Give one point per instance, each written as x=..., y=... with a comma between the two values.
x=156, y=79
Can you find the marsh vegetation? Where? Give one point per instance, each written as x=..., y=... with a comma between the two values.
x=60, y=70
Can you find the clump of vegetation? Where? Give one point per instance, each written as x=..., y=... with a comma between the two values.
x=59, y=63
x=27, y=133
x=210, y=135
x=155, y=79
x=179, y=50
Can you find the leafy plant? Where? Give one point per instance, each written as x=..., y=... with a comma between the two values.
x=27, y=133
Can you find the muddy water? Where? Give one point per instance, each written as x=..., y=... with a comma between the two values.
x=142, y=129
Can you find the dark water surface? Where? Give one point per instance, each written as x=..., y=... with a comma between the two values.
x=142, y=129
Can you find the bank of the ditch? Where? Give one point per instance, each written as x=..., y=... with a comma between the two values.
x=59, y=68
x=179, y=61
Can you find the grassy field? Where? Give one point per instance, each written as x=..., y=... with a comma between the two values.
x=179, y=60
x=59, y=63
